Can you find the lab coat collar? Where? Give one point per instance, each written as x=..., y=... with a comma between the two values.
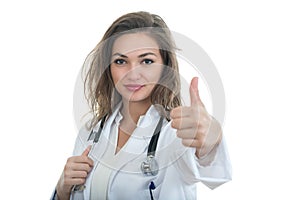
x=107, y=124
x=145, y=122
x=140, y=138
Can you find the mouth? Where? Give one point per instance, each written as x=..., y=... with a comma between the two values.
x=133, y=87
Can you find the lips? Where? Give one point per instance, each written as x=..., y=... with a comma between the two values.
x=133, y=87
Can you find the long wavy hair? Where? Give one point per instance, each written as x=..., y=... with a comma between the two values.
x=99, y=88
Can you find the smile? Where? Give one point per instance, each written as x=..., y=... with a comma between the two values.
x=133, y=87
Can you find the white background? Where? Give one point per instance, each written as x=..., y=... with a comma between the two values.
x=254, y=44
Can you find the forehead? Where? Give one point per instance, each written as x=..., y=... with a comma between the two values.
x=133, y=42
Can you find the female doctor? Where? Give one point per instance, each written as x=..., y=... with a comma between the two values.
x=141, y=143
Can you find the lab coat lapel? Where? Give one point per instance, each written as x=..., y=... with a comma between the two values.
x=101, y=146
x=124, y=158
x=137, y=146
x=139, y=140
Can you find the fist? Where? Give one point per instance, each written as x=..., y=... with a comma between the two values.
x=75, y=172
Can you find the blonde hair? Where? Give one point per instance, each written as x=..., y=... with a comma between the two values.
x=98, y=84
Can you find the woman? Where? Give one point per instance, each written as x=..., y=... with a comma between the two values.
x=132, y=85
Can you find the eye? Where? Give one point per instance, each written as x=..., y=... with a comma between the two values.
x=147, y=61
x=120, y=61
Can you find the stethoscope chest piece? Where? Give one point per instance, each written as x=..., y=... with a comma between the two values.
x=149, y=167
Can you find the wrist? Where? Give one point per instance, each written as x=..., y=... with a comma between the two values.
x=206, y=156
x=63, y=191
x=62, y=195
x=207, y=152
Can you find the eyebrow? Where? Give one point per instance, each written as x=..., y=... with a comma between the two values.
x=140, y=56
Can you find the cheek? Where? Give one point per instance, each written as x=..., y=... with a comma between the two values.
x=155, y=74
x=116, y=75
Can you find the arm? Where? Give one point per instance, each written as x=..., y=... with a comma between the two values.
x=191, y=169
x=207, y=157
x=207, y=151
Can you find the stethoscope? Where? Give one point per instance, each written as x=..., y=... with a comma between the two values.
x=149, y=166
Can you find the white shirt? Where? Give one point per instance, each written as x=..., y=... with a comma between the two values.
x=119, y=176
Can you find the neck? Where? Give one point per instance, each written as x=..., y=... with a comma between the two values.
x=133, y=110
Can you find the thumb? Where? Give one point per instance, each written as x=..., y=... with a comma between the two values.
x=194, y=93
x=87, y=151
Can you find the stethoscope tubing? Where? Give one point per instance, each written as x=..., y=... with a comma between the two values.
x=146, y=166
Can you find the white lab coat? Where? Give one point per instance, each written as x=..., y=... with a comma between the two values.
x=179, y=172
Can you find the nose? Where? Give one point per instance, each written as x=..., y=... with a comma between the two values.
x=135, y=72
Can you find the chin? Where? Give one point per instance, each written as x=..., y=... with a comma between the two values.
x=138, y=98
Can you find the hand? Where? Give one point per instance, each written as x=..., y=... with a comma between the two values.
x=195, y=126
x=75, y=173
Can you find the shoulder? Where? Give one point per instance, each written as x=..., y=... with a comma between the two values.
x=83, y=133
x=168, y=135
x=82, y=140
x=167, y=129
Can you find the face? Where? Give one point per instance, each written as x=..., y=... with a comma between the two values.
x=136, y=66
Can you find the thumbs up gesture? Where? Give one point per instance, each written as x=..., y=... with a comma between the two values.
x=195, y=126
